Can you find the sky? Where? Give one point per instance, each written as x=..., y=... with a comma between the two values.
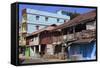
x=52, y=9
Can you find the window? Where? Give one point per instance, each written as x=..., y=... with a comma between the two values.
x=64, y=20
x=37, y=17
x=57, y=20
x=46, y=18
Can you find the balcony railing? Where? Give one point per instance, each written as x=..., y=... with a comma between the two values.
x=69, y=37
x=81, y=35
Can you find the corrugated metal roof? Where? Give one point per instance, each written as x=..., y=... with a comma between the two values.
x=49, y=28
x=77, y=20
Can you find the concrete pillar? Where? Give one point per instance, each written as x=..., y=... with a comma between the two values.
x=69, y=51
x=34, y=49
x=74, y=31
x=62, y=49
x=39, y=48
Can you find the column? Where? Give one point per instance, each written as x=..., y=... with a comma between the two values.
x=39, y=48
x=34, y=49
x=69, y=52
x=73, y=29
x=74, y=32
x=62, y=50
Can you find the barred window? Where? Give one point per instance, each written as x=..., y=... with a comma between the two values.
x=37, y=17
x=46, y=18
x=57, y=20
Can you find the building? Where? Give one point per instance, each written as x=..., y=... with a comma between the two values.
x=33, y=20
x=40, y=19
x=80, y=36
x=72, y=40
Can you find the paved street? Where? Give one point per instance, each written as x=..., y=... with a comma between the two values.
x=40, y=60
x=35, y=60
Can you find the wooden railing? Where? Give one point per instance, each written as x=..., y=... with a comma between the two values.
x=81, y=35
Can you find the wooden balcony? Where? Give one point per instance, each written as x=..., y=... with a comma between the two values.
x=85, y=34
x=57, y=39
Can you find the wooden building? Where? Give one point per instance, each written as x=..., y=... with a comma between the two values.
x=67, y=38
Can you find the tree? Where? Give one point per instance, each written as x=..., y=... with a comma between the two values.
x=71, y=14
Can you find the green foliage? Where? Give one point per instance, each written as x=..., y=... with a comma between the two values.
x=71, y=14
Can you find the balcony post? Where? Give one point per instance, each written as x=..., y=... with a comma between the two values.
x=39, y=48
x=34, y=49
x=74, y=32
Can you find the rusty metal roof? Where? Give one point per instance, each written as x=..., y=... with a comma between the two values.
x=77, y=20
x=49, y=28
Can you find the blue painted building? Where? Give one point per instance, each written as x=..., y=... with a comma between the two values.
x=42, y=19
x=86, y=50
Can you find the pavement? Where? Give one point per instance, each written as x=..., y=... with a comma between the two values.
x=35, y=60
x=41, y=60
